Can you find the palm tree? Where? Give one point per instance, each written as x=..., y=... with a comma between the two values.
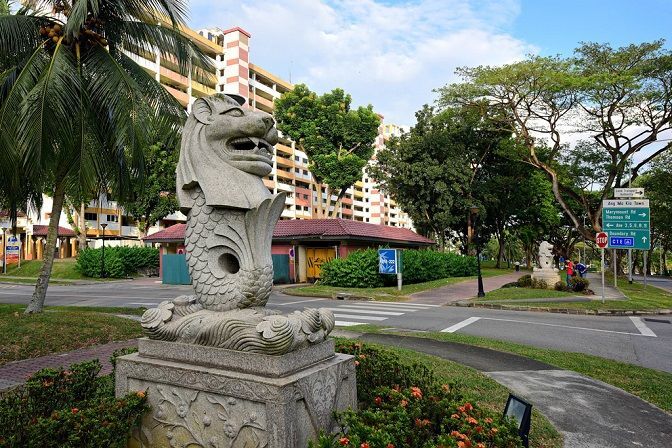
x=71, y=99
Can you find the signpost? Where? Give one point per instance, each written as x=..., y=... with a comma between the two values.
x=13, y=250
x=602, y=239
x=389, y=262
x=629, y=192
x=628, y=223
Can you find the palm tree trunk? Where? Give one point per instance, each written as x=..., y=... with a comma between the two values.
x=37, y=301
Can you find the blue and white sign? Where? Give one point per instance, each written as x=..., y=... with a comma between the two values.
x=620, y=241
x=388, y=261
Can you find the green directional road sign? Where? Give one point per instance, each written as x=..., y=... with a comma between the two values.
x=628, y=223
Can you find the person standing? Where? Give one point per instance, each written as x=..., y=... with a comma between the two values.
x=570, y=271
x=581, y=269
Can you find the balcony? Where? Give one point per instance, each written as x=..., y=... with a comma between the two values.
x=130, y=231
x=179, y=95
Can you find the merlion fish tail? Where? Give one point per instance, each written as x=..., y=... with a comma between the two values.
x=230, y=267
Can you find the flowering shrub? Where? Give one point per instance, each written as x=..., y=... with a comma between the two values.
x=68, y=408
x=430, y=415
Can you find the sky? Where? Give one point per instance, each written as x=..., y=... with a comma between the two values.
x=393, y=53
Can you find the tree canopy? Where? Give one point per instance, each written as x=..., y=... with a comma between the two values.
x=337, y=139
x=619, y=100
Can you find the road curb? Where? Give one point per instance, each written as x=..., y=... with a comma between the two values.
x=541, y=309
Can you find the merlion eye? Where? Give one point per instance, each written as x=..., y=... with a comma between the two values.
x=234, y=112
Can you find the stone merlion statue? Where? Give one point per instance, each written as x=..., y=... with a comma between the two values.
x=226, y=151
x=546, y=271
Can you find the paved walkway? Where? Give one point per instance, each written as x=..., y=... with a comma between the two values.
x=463, y=290
x=15, y=373
x=589, y=413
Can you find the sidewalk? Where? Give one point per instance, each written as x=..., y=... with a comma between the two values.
x=17, y=372
x=463, y=290
x=589, y=413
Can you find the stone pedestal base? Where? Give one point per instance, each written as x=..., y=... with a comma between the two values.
x=215, y=398
x=550, y=276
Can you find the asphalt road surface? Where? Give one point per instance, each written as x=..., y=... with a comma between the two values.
x=645, y=341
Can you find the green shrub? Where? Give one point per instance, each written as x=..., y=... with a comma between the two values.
x=120, y=262
x=560, y=286
x=399, y=408
x=360, y=268
x=525, y=281
x=580, y=284
x=539, y=284
x=69, y=408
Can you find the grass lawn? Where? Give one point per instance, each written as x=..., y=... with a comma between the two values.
x=63, y=269
x=60, y=329
x=648, y=384
x=640, y=298
x=387, y=293
x=525, y=293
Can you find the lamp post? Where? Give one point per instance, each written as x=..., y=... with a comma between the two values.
x=102, y=264
x=474, y=212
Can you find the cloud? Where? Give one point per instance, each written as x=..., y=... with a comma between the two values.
x=389, y=54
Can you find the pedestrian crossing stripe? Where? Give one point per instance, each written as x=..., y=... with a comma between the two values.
x=349, y=309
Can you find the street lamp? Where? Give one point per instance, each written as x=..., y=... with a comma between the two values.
x=102, y=265
x=474, y=212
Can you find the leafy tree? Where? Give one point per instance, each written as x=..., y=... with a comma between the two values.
x=4, y=7
x=656, y=183
x=155, y=197
x=621, y=98
x=337, y=139
x=71, y=99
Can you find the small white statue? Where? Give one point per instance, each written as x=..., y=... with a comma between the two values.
x=546, y=255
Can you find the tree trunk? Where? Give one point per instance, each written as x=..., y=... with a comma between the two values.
x=81, y=238
x=37, y=301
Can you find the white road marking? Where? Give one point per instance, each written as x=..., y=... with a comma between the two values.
x=299, y=301
x=353, y=316
x=348, y=309
x=345, y=323
x=386, y=308
x=459, y=325
x=641, y=326
x=566, y=326
x=417, y=305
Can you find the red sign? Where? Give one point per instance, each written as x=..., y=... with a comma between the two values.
x=602, y=239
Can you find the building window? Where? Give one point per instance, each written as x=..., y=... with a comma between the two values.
x=112, y=218
x=296, y=170
x=297, y=158
x=91, y=216
x=221, y=73
x=305, y=160
x=305, y=196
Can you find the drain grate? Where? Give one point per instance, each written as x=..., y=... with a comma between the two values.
x=660, y=321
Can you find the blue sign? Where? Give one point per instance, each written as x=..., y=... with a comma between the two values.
x=620, y=241
x=388, y=261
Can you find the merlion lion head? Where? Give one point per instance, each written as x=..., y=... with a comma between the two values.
x=226, y=150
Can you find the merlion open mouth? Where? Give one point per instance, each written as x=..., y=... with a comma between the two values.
x=250, y=154
x=247, y=145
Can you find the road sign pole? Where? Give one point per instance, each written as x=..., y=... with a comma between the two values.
x=645, y=254
x=630, y=266
x=603, y=275
x=614, y=262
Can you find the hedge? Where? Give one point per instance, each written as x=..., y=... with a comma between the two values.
x=120, y=262
x=69, y=408
x=360, y=268
x=403, y=405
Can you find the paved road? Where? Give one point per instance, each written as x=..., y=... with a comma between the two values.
x=659, y=282
x=644, y=341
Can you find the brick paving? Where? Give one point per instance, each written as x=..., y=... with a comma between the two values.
x=463, y=290
x=17, y=372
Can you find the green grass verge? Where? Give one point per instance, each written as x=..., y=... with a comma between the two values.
x=60, y=329
x=479, y=388
x=525, y=293
x=62, y=269
x=388, y=293
x=639, y=298
x=648, y=384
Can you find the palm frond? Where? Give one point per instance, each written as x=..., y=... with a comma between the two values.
x=169, y=42
x=19, y=37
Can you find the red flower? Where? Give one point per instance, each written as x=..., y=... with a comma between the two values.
x=468, y=407
x=74, y=410
x=378, y=401
x=416, y=392
x=455, y=416
x=356, y=363
x=488, y=420
x=362, y=356
x=140, y=394
x=403, y=403
x=364, y=445
x=389, y=445
x=344, y=441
